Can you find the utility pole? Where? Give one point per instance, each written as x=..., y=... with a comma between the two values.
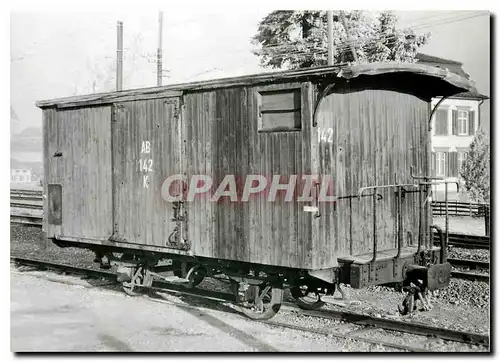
x=159, y=69
x=329, y=15
x=119, y=56
x=344, y=23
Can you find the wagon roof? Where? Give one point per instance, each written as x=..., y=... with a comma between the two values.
x=452, y=83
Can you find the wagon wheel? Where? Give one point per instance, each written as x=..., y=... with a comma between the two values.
x=197, y=276
x=265, y=303
x=305, y=298
x=141, y=278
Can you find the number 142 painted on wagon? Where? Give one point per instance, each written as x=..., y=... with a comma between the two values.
x=325, y=135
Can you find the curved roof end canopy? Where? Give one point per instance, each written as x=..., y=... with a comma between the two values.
x=423, y=80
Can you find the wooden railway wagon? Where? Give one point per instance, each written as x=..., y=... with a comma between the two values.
x=354, y=141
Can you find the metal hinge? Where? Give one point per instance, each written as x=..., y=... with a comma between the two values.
x=178, y=237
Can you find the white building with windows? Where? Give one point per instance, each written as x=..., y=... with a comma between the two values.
x=20, y=176
x=454, y=124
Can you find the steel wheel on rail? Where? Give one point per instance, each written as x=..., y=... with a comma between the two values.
x=305, y=298
x=197, y=276
x=266, y=301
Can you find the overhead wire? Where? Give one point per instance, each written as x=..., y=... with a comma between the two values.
x=345, y=45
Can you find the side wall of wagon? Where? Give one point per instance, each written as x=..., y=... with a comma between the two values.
x=223, y=138
x=376, y=136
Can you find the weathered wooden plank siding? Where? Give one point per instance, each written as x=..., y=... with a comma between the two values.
x=377, y=136
x=199, y=119
x=50, y=165
x=141, y=214
x=83, y=169
x=258, y=231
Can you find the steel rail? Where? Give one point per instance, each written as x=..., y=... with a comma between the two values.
x=26, y=192
x=475, y=277
x=43, y=264
x=467, y=241
x=473, y=264
x=350, y=317
x=23, y=197
x=26, y=220
x=347, y=335
x=22, y=205
x=395, y=325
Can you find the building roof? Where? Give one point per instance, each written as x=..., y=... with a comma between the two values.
x=452, y=66
x=425, y=58
x=444, y=82
x=470, y=95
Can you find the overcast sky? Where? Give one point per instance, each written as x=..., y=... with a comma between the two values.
x=57, y=54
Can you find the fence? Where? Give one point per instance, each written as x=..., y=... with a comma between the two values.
x=456, y=208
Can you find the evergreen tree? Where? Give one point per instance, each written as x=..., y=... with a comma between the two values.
x=298, y=39
x=476, y=169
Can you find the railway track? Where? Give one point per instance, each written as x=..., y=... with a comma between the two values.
x=347, y=316
x=26, y=220
x=475, y=277
x=470, y=264
x=29, y=200
x=466, y=241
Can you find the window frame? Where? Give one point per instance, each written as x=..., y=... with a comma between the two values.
x=461, y=160
x=462, y=119
x=438, y=161
x=289, y=87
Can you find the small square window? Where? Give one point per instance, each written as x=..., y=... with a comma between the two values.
x=280, y=110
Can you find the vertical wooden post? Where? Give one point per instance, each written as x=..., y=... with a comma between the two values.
x=487, y=220
x=119, y=56
x=159, y=68
x=446, y=220
x=329, y=14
